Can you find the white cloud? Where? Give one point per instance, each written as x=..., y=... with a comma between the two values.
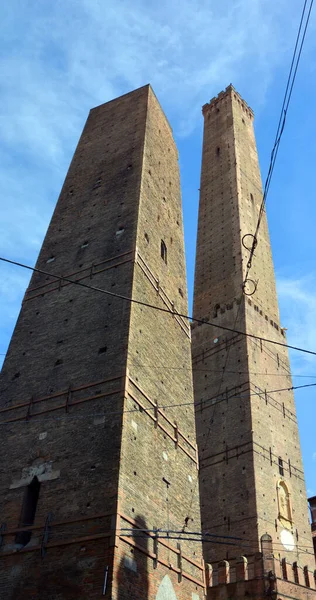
x=66, y=58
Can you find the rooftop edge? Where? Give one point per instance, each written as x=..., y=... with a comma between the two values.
x=230, y=90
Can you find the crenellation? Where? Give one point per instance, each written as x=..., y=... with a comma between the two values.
x=230, y=91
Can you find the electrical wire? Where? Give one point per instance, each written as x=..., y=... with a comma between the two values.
x=189, y=368
x=282, y=119
x=178, y=535
x=153, y=408
x=158, y=308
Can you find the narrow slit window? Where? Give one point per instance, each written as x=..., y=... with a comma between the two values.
x=281, y=468
x=163, y=251
x=97, y=183
x=29, y=506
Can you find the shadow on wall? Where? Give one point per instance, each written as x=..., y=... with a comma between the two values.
x=133, y=577
x=133, y=570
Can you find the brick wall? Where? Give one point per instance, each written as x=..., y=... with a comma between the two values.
x=85, y=372
x=243, y=427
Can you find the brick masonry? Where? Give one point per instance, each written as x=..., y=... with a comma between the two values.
x=86, y=373
x=96, y=392
x=244, y=428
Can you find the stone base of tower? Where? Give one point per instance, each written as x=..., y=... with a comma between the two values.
x=260, y=575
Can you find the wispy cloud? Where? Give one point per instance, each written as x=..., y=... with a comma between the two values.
x=63, y=59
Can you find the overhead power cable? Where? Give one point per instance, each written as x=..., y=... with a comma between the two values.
x=299, y=43
x=158, y=308
x=178, y=534
x=68, y=415
x=189, y=368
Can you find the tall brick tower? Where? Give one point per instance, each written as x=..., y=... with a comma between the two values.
x=252, y=488
x=95, y=452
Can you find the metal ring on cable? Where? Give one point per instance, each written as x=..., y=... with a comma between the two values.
x=254, y=283
x=254, y=243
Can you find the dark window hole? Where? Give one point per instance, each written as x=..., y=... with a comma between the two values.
x=27, y=517
x=281, y=468
x=163, y=251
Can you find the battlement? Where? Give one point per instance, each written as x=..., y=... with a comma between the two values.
x=260, y=572
x=229, y=91
x=245, y=568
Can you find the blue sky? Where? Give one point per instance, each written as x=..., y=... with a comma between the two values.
x=59, y=59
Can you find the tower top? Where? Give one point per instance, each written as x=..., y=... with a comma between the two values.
x=229, y=91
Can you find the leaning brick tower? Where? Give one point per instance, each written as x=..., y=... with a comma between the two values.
x=96, y=455
x=252, y=489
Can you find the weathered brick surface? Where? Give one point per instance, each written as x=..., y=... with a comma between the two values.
x=242, y=431
x=84, y=371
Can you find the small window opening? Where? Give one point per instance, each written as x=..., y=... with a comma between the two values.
x=216, y=309
x=102, y=350
x=97, y=183
x=85, y=244
x=251, y=197
x=147, y=238
x=51, y=259
x=181, y=292
x=58, y=362
x=218, y=150
x=29, y=506
x=163, y=251
x=281, y=468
